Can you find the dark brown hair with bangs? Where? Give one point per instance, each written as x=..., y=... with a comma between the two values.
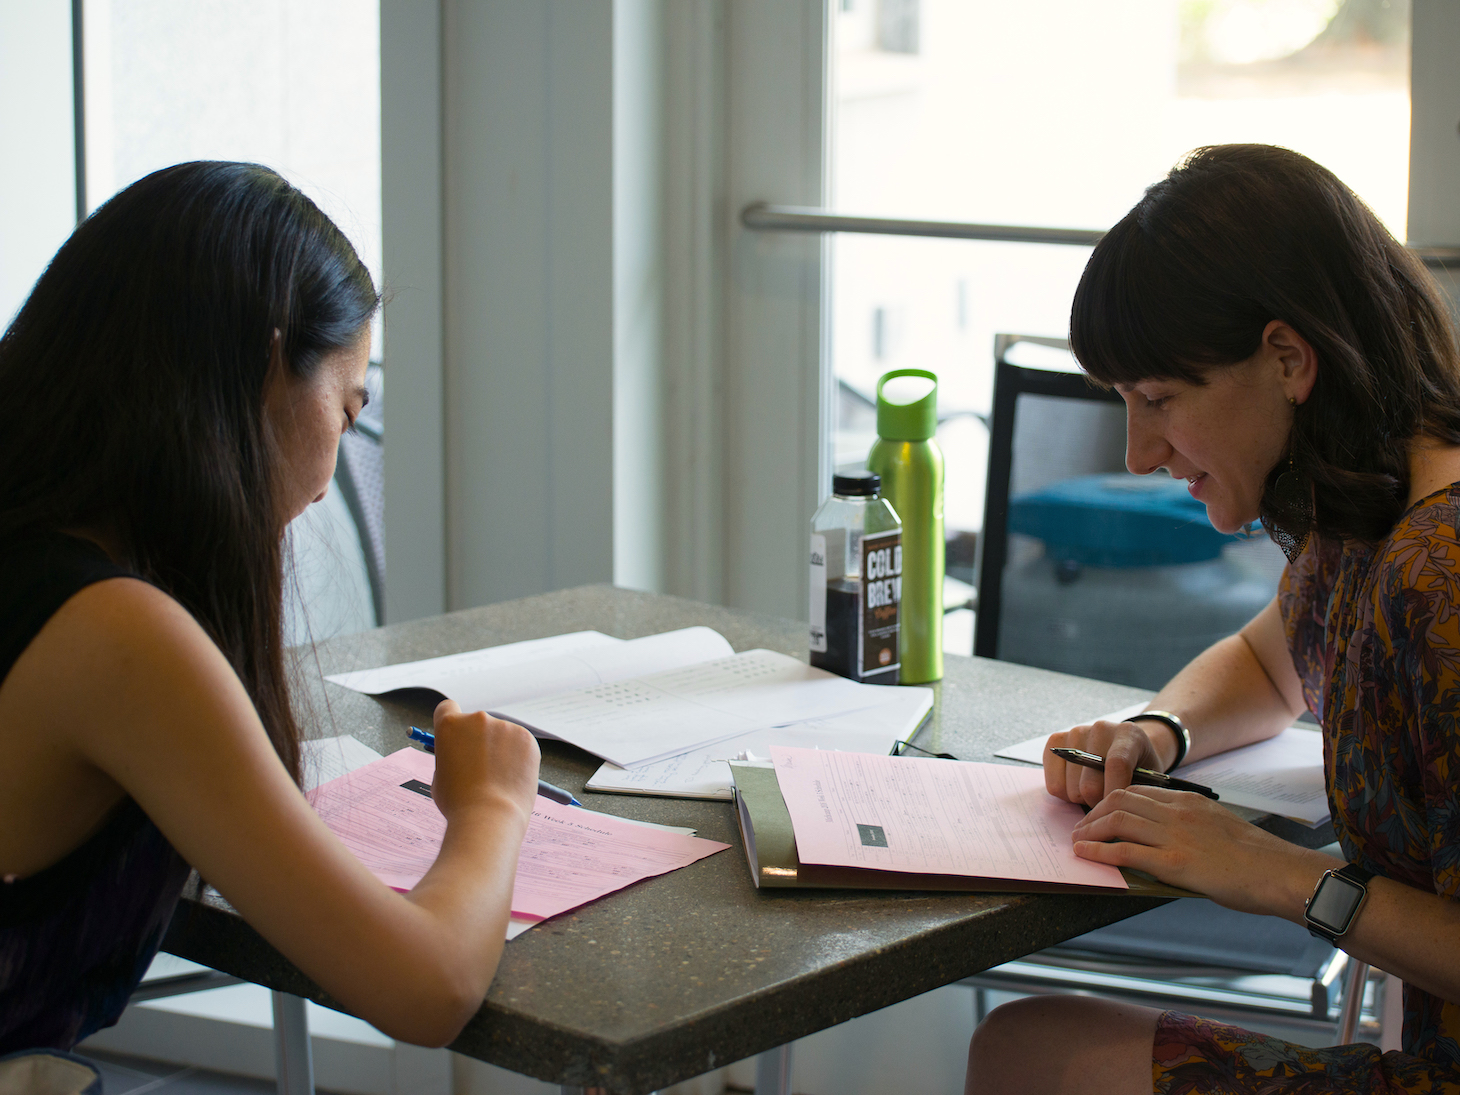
x=1240, y=235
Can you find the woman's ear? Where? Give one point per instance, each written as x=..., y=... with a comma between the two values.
x=1293, y=357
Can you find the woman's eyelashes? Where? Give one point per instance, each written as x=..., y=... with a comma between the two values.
x=352, y=419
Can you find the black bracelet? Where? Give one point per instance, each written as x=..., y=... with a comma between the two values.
x=1183, y=735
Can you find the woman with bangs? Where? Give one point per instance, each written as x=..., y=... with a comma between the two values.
x=1279, y=350
x=175, y=388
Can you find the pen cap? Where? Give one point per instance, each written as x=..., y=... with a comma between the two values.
x=907, y=405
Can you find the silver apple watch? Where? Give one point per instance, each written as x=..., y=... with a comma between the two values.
x=1336, y=901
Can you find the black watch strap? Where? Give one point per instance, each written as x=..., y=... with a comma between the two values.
x=1328, y=919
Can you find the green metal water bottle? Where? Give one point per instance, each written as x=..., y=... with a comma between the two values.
x=911, y=466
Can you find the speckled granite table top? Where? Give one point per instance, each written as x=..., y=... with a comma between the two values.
x=681, y=974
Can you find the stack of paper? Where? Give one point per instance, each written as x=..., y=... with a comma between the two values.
x=383, y=812
x=665, y=711
x=846, y=820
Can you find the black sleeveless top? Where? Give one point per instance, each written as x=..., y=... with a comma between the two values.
x=76, y=937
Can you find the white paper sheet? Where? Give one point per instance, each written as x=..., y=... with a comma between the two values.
x=705, y=772
x=329, y=758
x=434, y=673
x=1032, y=751
x=646, y=719
x=925, y=816
x=486, y=680
x=1282, y=775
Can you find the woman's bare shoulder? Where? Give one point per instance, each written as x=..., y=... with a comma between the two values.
x=107, y=636
x=94, y=678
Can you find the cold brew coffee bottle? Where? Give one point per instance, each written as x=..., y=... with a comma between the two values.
x=856, y=582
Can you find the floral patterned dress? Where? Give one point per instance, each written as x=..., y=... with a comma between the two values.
x=1375, y=636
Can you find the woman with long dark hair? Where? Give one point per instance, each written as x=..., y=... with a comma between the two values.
x=1279, y=350
x=172, y=394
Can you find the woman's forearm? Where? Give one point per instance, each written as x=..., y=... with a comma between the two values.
x=467, y=893
x=1404, y=931
x=435, y=950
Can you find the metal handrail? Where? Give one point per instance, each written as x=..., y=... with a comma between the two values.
x=793, y=218
x=765, y=217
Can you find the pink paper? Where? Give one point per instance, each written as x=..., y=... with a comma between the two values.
x=570, y=856
x=932, y=817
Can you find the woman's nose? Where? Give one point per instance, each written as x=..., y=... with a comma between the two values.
x=1145, y=448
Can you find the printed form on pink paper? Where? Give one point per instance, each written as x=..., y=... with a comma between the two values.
x=932, y=817
x=384, y=814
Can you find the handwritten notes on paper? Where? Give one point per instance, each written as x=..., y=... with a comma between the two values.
x=384, y=814
x=932, y=817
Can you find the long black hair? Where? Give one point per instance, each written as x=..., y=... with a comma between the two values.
x=1240, y=235
x=132, y=392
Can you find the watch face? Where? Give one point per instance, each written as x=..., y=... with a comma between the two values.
x=1334, y=902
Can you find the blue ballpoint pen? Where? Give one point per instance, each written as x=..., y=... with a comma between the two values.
x=544, y=788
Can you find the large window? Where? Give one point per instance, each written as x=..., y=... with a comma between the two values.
x=1060, y=113
x=292, y=84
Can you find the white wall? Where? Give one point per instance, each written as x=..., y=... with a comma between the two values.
x=412, y=234
x=38, y=184
x=610, y=379
x=519, y=496
x=640, y=379
x=697, y=223
x=1434, y=147
x=777, y=394
x=529, y=263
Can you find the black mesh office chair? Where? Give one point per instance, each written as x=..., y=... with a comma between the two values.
x=360, y=473
x=1013, y=387
x=1190, y=954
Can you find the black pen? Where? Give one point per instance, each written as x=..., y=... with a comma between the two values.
x=1140, y=775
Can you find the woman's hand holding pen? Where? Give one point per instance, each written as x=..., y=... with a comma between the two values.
x=1125, y=746
x=482, y=761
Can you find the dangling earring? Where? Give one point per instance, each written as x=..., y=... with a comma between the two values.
x=1292, y=496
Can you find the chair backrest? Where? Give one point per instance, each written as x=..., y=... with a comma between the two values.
x=360, y=474
x=1013, y=385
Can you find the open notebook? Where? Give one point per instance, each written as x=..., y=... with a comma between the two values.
x=639, y=701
